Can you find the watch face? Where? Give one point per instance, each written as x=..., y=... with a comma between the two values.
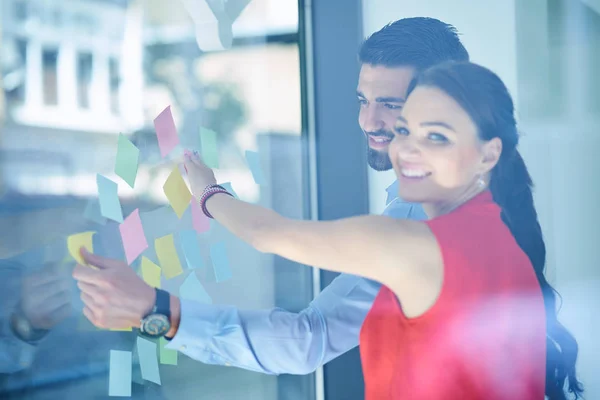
x=156, y=325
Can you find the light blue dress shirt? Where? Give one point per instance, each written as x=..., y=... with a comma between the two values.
x=277, y=341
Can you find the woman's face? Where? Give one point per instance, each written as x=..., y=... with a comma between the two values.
x=436, y=152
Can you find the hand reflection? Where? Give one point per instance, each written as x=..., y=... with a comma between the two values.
x=46, y=296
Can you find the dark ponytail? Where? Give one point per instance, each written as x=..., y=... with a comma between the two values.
x=483, y=95
x=511, y=187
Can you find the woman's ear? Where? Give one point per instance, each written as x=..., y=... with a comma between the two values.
x=491, y=151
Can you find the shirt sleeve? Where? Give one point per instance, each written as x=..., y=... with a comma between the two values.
x=277, y=341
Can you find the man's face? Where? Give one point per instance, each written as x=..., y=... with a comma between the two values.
x=381, y=93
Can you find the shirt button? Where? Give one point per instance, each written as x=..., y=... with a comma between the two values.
x=183, y=348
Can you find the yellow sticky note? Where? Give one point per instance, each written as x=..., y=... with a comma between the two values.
x=121, y=329
x=167, y=256
x=77, y=241
x=150, y=273
x=177, y=192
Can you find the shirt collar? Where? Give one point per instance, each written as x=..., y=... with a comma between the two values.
x=392, y=192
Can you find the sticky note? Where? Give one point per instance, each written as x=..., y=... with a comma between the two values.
x=121, y=329
x=177, y=192
x=110, y=206
x=191, y=249
x=253, y=160
x=119, y=378
x=208, y=141
x=192, y=289
x=132, y=234
x=166, y=132
x=218, y=255
x=167, y=256
x=92, y=212
x=167, y=356
x=148, y=356
x=200, y=222
x=150, y=273
x=79, y=240
x=126, y=165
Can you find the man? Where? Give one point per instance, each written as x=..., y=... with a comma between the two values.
x=331, y=324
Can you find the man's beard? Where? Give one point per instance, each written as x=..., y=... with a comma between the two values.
x=379, y=161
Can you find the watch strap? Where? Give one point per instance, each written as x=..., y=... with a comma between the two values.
x=162, y=304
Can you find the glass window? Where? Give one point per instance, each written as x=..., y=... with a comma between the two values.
x=84, y=79
x=248, y=94
x=20, y=10
x=50, y=76
x=14, y=79
x=115, y=82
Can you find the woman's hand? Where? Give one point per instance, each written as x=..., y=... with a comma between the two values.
x=199, y=175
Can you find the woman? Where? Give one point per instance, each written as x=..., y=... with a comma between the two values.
x=465, y=311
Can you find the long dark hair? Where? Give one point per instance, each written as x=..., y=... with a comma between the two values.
x=483, y=95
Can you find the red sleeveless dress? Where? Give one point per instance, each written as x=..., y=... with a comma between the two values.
x=484, y=338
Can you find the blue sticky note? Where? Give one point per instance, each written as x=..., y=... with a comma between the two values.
x=229, y=188
x=192, y=289
x=92, y=212
x=218, y=255
x=148, y=355
x=119, y=378
x=253, y=160
x=110, y=206
x=191, y=249
x=107, y=242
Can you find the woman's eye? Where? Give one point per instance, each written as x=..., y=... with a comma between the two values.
x=401, y=131
x=362, y=101
x=436, y=137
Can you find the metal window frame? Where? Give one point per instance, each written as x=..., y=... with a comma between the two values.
x=330, y=35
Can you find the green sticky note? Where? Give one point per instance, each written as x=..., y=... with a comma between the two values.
x=167, y=356
x=127, y=160
x=208, y=141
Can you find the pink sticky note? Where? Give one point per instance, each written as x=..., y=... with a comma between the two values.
x=200, y=222
x=166, y=132
x=132, y=234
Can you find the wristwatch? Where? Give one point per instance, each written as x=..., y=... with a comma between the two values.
x=158, y=322
x=22, y=328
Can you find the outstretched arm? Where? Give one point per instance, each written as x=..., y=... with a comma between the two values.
x=376, y=247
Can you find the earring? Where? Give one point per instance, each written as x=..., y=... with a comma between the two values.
x=481, y=182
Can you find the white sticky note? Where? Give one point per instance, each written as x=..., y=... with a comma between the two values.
x=119, y=378
x=148, y=354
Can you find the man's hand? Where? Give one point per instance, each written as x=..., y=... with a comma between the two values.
x=114, y=296
x=46, y=297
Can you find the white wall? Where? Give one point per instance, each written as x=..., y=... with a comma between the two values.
x=561, y=155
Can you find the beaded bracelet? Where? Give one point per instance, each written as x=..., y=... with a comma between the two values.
x=207, y=193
